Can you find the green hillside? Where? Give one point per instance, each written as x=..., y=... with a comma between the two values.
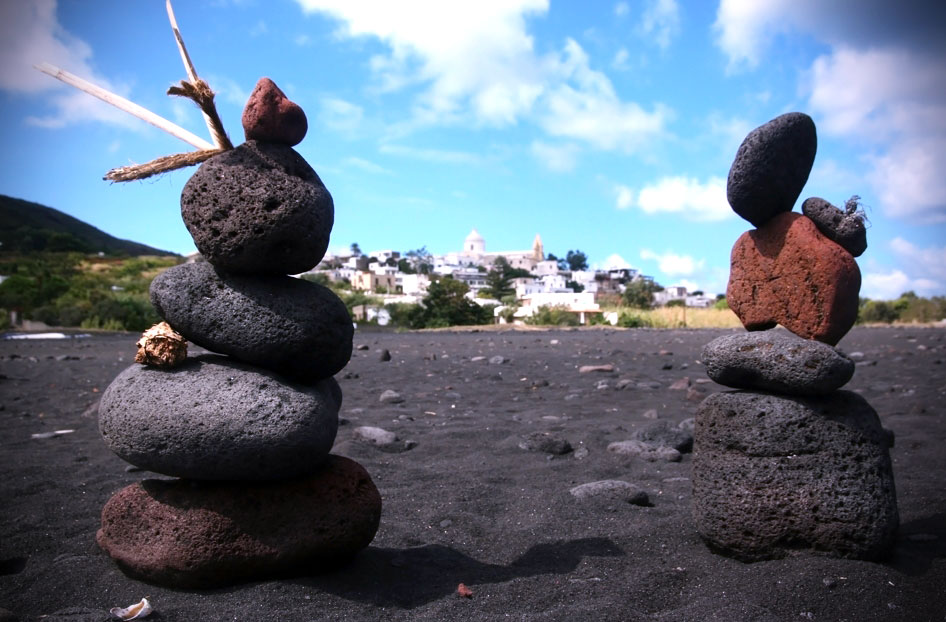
x=27, y=227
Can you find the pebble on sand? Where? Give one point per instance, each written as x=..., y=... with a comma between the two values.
x=611, y=490
x=390, y=396
x=546, y=442
x=646, y=451
x=587, y=369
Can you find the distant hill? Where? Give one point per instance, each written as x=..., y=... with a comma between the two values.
x=27, y=227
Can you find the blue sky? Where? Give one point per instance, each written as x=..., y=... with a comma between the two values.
x=607, y=127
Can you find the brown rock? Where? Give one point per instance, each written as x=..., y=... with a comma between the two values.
x=787, y=272
x=187, y=534
x=271, y=117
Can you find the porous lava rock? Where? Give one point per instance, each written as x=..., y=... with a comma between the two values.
x=186, y=534
x=293, y=326
x=258, y=209
x=788, y=273
x=775, y=476
x=841, y=226
x=771, y=167
x=214, y=418
x=777, y=361
x=270, y=116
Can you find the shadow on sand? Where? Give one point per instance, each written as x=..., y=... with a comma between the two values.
x=407, y=578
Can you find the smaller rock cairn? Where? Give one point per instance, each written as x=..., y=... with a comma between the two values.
x=788, y=463
x=248, y=434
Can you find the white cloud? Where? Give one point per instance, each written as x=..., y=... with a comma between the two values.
x=559, y=158
x=619, y=62
x=741, y=28
x=592, y=111
x=366, y=165
x=30, y=34
x=340, y=115
x=476, y=61
x=881, y=86
x=227, y=89
x=258, y=29
x=624, y=196
x=889, y=285
x=661, y=21
x=688, y=197
x=621, y=9
x=894, y=102
x=613, y=262
x=440, y=156
x=928, y=262
x=473, y=53
x=672, y=264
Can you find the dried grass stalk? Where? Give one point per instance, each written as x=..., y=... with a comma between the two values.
x=160, y=165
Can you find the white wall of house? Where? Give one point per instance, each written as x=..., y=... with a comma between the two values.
x=543, y=268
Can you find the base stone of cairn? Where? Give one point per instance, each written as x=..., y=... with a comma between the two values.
x=188, y=534
x=790, y=463
x=775, y=475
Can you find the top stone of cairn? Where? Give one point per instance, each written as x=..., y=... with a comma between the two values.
x=270, y=116
x=771, y=167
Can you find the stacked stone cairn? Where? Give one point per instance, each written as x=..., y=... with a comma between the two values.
x=247, y=432
x=788, y=463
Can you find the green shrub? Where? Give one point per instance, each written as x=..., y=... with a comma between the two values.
x=632, y=320
x=553, y=316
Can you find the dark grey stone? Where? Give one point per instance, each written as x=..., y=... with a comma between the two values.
x=258, y=209
x=665, y=434
x=289, y=325
x=546, y=442
x=611, y=490
x=213, y=418
x=845, y=228
x=775, y=476
x=777, y=361
x=771, y=167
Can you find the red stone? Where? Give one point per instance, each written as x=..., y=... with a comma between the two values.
x=188, y=534
x=269, y=116
x=787, y=272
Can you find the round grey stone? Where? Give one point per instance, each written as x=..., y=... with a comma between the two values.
x=665, y=434
x=292, y=326
x=611, y=490
x=390, y=396
x=258, y=209
x=775, y=476
x=771, y=167
x=213, y=418
x=846, y=229
x=777, y=361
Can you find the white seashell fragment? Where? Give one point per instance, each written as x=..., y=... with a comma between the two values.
x=133, y=612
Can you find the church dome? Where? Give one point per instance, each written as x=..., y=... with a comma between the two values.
x=474, y=243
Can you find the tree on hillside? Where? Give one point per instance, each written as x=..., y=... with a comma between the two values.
x=499, y=279
x=576, y=260
x=640, y=294
x=355, y=249
x=445, y=305
x=420, y=260
x=562, y=264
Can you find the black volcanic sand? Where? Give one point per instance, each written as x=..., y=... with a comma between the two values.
x=467, y=505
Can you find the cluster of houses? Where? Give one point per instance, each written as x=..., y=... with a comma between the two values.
x=406, y=279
